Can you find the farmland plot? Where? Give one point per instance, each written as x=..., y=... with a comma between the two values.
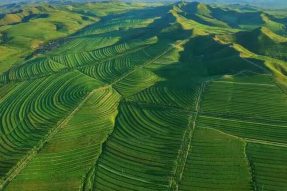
x=248, y=126
x=269, y=166
x=245, y=100
x=126, y=163
x=115, y=25
x=112, y=69
x=216, y=161
x=73, y=151
x=26, y=121
x=247, y=129
x=84, y=44
x=34, y=69
x=159, y=94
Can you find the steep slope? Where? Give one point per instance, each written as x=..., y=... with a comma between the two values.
x=217, y=16
x=263, y=41
x=275, y=24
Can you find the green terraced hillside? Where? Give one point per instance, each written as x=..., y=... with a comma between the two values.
x=130, y=96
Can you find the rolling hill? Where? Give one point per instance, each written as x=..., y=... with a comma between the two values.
x=119, y=96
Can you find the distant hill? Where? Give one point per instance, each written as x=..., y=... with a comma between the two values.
x=261, y=3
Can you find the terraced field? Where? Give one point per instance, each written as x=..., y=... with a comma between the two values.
x=75, y=148
x=147, y=97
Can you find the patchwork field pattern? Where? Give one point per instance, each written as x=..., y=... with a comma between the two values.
x=162, y=97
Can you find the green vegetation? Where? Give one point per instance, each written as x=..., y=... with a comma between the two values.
x=20, y=36
x=142, y=150
x=268, y=176
x=27, y=29
x=227, y=95
x=74, y=149
x=216, y=162
x=142, y=96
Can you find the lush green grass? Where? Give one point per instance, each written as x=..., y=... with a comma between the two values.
x=274, y=24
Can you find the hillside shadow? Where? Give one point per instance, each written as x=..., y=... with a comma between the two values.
x=205, y=59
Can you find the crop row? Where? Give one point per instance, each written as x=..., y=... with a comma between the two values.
x=136, y=82
x=84, y=44
x=45, y=66
x=83, y=58
x=34, y=69
x=113, y=69
x=164, y=95
x=6, y=90
x=126, y=72
x=141, y=152
x=72, y=152
x=116, y=25
x=216, y=161
x=269, y=166
x=32, y=108
x=245, y=100
x=247, y=129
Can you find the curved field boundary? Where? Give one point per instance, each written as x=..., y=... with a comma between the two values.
x=46, y=66
x=72, y=151
x=167, y=96
x=128, y=164
x=24, y=161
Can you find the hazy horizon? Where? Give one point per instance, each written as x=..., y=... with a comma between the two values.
x=260, y=3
